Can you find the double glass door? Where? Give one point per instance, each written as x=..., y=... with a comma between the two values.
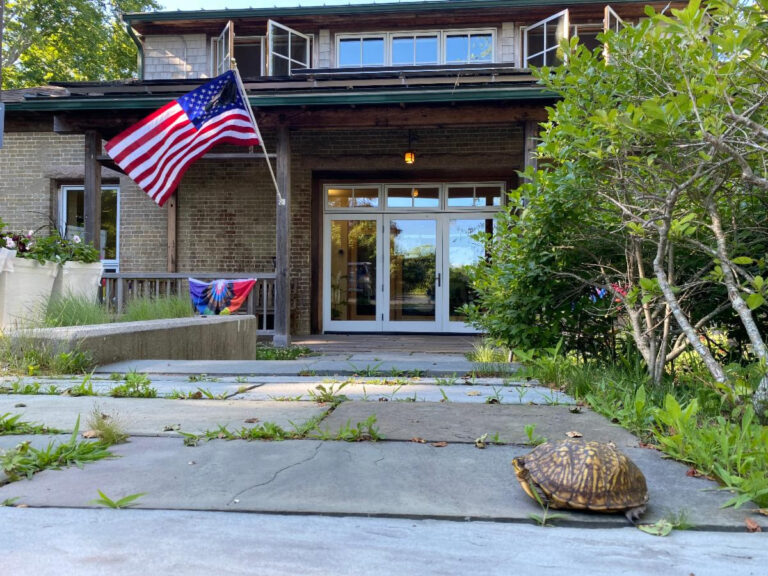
x=400, y=272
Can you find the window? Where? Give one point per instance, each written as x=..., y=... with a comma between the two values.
x=541, y=41
x=353, y=197
x=468, y=48
x=72, y=217
x=358, y=52
x=221, y=50
x=288, y=50
x=413, y=196
x=415, y=48
x=471, y=196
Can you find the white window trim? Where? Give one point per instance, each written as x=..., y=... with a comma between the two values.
x=108, y=262
x=291, y=32
x=442, y=204
x=547, y=49
x=441, y=34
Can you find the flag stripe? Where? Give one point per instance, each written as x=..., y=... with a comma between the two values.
x=157, y=166
x=158, y=150
x=166, y=188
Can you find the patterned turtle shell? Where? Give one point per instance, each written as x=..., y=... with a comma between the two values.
x=583, y=475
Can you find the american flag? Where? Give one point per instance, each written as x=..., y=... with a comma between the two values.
x=157, y=151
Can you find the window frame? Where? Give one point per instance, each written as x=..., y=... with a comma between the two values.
x=109, y=263
x=545, y=49
x=441, y=35
x=270, y=53
x=252, y=41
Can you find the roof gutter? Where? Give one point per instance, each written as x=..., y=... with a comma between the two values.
x=139, y=46
x=303, y=99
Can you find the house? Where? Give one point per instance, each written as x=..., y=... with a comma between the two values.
x=394, y=129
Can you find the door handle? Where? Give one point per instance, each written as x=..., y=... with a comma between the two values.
x=439, y=279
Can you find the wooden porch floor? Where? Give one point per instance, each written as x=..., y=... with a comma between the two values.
x=388, y=343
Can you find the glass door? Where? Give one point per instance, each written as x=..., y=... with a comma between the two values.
x=351, y=272
x=413, y=279
x=462, y=250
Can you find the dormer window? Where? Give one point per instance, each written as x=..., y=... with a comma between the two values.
x=541, y=41
x=423, y=48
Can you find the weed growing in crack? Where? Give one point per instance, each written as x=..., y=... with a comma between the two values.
x=124, y=502
x=106, y=427
x=328, y=394
x=12, y=424
x=24, y=460
x=136, y=385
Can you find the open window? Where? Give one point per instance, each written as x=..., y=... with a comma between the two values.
x=287, y=50
x=222, y=49
x=611, y=22
x=541, y=41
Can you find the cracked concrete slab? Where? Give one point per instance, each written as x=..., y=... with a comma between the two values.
x=380, y=479
x=130, y=542
x=150, y=416
x=412, y=391
x=453, y=422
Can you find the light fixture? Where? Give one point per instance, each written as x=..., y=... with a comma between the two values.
x=410, y=156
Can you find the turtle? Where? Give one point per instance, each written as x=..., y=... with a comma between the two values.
x=583, y=475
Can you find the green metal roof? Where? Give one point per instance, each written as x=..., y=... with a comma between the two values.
x=411, y=96
x=353, y=9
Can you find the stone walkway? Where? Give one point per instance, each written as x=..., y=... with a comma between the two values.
x=423, y=475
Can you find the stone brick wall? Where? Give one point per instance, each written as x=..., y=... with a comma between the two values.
x=176, y=57
x=27, y=201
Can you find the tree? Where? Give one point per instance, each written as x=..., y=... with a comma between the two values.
x=67, y=40
x=652, y=187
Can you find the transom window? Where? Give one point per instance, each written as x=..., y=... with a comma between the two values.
x=415, y=196
x=415, y=49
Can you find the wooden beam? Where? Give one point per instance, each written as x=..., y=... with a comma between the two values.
x=282, y=335
x=171, y=212
x=92, y=195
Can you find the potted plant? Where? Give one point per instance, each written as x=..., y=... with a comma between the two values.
x=25, y=282
x=43, y=267
x=80, y=271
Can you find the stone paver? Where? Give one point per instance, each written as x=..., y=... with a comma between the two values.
x=412, y=480
x=151, y=416
x=453, y=422
x=130, y=542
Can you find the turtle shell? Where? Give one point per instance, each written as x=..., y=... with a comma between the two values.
x=582, y=475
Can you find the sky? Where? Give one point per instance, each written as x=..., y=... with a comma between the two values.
x=219, y=4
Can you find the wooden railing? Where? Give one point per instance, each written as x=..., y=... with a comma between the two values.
x=118, y=288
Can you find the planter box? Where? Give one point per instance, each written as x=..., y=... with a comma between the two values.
x=24, y=293
x=78, y=279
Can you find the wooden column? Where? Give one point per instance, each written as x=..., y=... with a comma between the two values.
x=92, y=196
x=171, y=207
x=282, y=335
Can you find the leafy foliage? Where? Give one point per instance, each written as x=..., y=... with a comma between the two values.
x=67, y=40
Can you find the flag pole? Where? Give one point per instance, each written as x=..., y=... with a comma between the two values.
x=241, y=89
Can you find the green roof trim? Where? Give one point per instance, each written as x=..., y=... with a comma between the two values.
x=351, y=9
x=132, y=102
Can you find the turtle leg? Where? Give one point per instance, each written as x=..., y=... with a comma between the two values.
x=633, y=514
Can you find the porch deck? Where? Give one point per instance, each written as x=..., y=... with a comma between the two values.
x=405, y=344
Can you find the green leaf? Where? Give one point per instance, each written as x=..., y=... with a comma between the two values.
x=742, y=260
x=755, y=301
